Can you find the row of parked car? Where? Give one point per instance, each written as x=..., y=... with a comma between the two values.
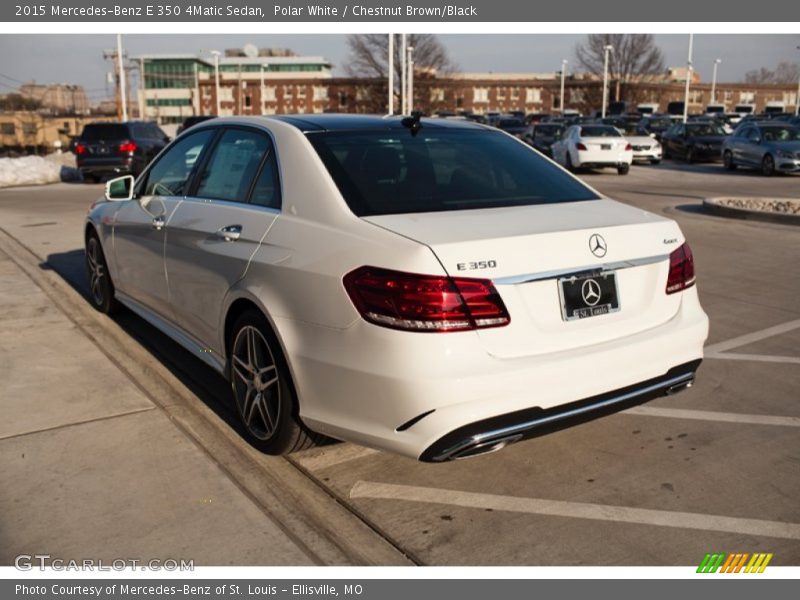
x=768, y=143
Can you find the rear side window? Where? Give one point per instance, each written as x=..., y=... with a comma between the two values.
x=394, y=172
x=267, y=191
x=95, y=132
x=233, y=165
x=171, y=174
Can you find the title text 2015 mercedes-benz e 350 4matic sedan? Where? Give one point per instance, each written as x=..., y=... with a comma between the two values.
x=430, y=287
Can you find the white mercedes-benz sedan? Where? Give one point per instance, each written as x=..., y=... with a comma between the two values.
x=593, y=147
x=434, y=288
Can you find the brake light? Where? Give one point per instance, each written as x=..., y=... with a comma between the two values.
x=80, y=149
x=128, y=147
x=681, y=269
x=429, y=303
x=580, y=146
x=628, y=147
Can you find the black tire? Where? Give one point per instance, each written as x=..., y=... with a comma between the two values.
x=768, y=166
x=655, y=161
x=569, y=166
x=623, y=169
x=727, y=160
x=101, y=288
x=666, y=153
x=271, y=419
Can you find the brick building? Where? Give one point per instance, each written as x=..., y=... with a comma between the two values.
x=477, y=93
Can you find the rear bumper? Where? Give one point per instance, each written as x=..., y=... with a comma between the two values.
x=108, y=166
x=406, y=392
x=600, y=159
x=495, y=433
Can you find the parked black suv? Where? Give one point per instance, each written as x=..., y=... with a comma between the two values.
x=111, y=149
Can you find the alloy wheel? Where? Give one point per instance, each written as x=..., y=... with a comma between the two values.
x=97, y=271
x=256, y=383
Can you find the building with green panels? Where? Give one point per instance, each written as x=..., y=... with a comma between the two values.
x=169, y=83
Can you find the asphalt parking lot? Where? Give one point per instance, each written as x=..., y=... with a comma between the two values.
x=716, y=468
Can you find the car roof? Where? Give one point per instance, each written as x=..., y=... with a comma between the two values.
x=349, y=122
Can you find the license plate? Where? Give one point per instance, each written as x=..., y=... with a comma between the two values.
x=605, y=146
x=584, y=296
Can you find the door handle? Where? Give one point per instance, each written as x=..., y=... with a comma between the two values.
x=230, y=233
x=158, y=223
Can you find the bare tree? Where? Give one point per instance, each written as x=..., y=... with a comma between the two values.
x=785, y=72
x=368, y=57
x=635, y=58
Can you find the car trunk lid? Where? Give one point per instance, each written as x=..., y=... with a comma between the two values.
x=526, y=250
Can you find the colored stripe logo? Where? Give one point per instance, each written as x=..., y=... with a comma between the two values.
x=735, y=563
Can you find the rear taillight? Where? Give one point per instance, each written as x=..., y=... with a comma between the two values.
x=628, y=147
x=580, y=146
x=80, y=149
x=425, y=302
x=681, y=270
x=128, y=147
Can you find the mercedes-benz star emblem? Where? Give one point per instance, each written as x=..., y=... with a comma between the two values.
x=598, y=245
x=590, y=292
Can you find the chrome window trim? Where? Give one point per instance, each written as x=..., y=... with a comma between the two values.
x=558, y=273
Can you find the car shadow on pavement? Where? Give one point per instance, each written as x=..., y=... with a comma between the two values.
x=198, y=377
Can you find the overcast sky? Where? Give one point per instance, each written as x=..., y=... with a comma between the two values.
x=79, y=58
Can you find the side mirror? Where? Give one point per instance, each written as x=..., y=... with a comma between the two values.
x=120, y=188
x=757, y=139
x=653, y=135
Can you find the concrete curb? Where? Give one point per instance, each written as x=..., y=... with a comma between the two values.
x=317, y=522
x=712, y=206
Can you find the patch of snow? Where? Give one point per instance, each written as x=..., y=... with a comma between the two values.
x=37, y=170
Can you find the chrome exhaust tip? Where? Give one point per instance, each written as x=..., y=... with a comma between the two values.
x=483, y=448
x=679, y=387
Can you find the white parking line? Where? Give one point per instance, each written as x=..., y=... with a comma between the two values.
x=750, y=338
x=707, y=415
x=754, y=357
x=577, y=510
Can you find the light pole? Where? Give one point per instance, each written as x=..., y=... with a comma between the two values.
x=122, y=91
x=403, y=78
x=391, y=73
x=714, y=82
x=563, y=74
x=607, y=48
x=215, y=54
x=263, y=91
x=797, y=99
x=410, y=69
x=688, y=79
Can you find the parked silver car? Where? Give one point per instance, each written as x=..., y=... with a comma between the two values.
x=770, y=147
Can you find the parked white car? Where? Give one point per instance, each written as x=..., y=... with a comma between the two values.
x=593, y=147
x=645, y=146
x=434, y=288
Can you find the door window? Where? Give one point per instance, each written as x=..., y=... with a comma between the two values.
x=233, y=165
x=171, y=174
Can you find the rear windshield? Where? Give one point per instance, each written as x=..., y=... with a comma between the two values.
x=104, y=131
x=705, y=129
x=599, y=131
x=547, y=130
x=395, y=172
